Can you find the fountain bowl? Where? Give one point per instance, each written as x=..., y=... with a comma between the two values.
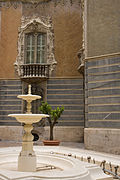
x=29, y=97
x=28, y=118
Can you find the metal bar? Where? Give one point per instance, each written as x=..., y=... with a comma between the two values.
x=112, y=173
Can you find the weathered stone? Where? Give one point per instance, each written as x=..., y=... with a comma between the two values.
x=65, y=81
x=104, y=70
x=104, y=92
x=103, y=100
x=103, y=61
x=73, y=134
x=12, y=133
x=104, y=77
x=108, y=84
x=106, y=140
x=104, y=108
x=104, y=116
x=103, y=124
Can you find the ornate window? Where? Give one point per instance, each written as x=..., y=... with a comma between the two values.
x=35, y=48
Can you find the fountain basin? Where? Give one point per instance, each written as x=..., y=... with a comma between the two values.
x=29, y=97
x=63, y=167
x=28, y=118
x=27, y=157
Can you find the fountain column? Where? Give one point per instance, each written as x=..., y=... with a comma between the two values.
x=27, y=157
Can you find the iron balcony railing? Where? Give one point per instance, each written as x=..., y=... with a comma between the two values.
x=34, y=70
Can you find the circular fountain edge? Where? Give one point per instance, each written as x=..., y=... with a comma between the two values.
x=73, y=168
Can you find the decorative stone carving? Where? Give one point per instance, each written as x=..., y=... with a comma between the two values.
x=8, y=3
x=35, y=3
x=35, y=24
x=81, y=57
x=81, y=53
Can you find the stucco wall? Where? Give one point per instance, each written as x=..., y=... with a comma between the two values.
x=68, y=39
x=10, y=21
x=103, y=27
x=67, y=24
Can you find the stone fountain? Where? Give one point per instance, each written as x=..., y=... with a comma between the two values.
x=27, y=157
x=52, y=163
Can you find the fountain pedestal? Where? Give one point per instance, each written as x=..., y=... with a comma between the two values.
x=58, y=165
x=27, y=157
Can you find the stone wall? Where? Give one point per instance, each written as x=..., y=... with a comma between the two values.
x=102, y=75
x=9, y=103
x=67, y=24
x=102, y=27
x=102, y=91
x=66, y=85
x=102, y=139
x=70, y=94
x=66, y=133
x=102, y=103
x=60, y=91
x=62, y=133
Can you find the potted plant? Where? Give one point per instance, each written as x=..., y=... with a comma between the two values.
x=54, y=115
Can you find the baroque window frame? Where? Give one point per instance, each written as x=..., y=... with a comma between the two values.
x=35, y=24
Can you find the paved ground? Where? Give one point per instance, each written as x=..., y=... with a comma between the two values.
x=66, y=144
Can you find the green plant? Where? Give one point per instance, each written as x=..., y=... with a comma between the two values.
x=54, y=115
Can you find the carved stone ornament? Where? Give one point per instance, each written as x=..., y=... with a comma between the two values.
x=35, y=24
x=35, y=3
x=81, y=57
x=81, y=53
x=17, y=3
x=26, y=1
